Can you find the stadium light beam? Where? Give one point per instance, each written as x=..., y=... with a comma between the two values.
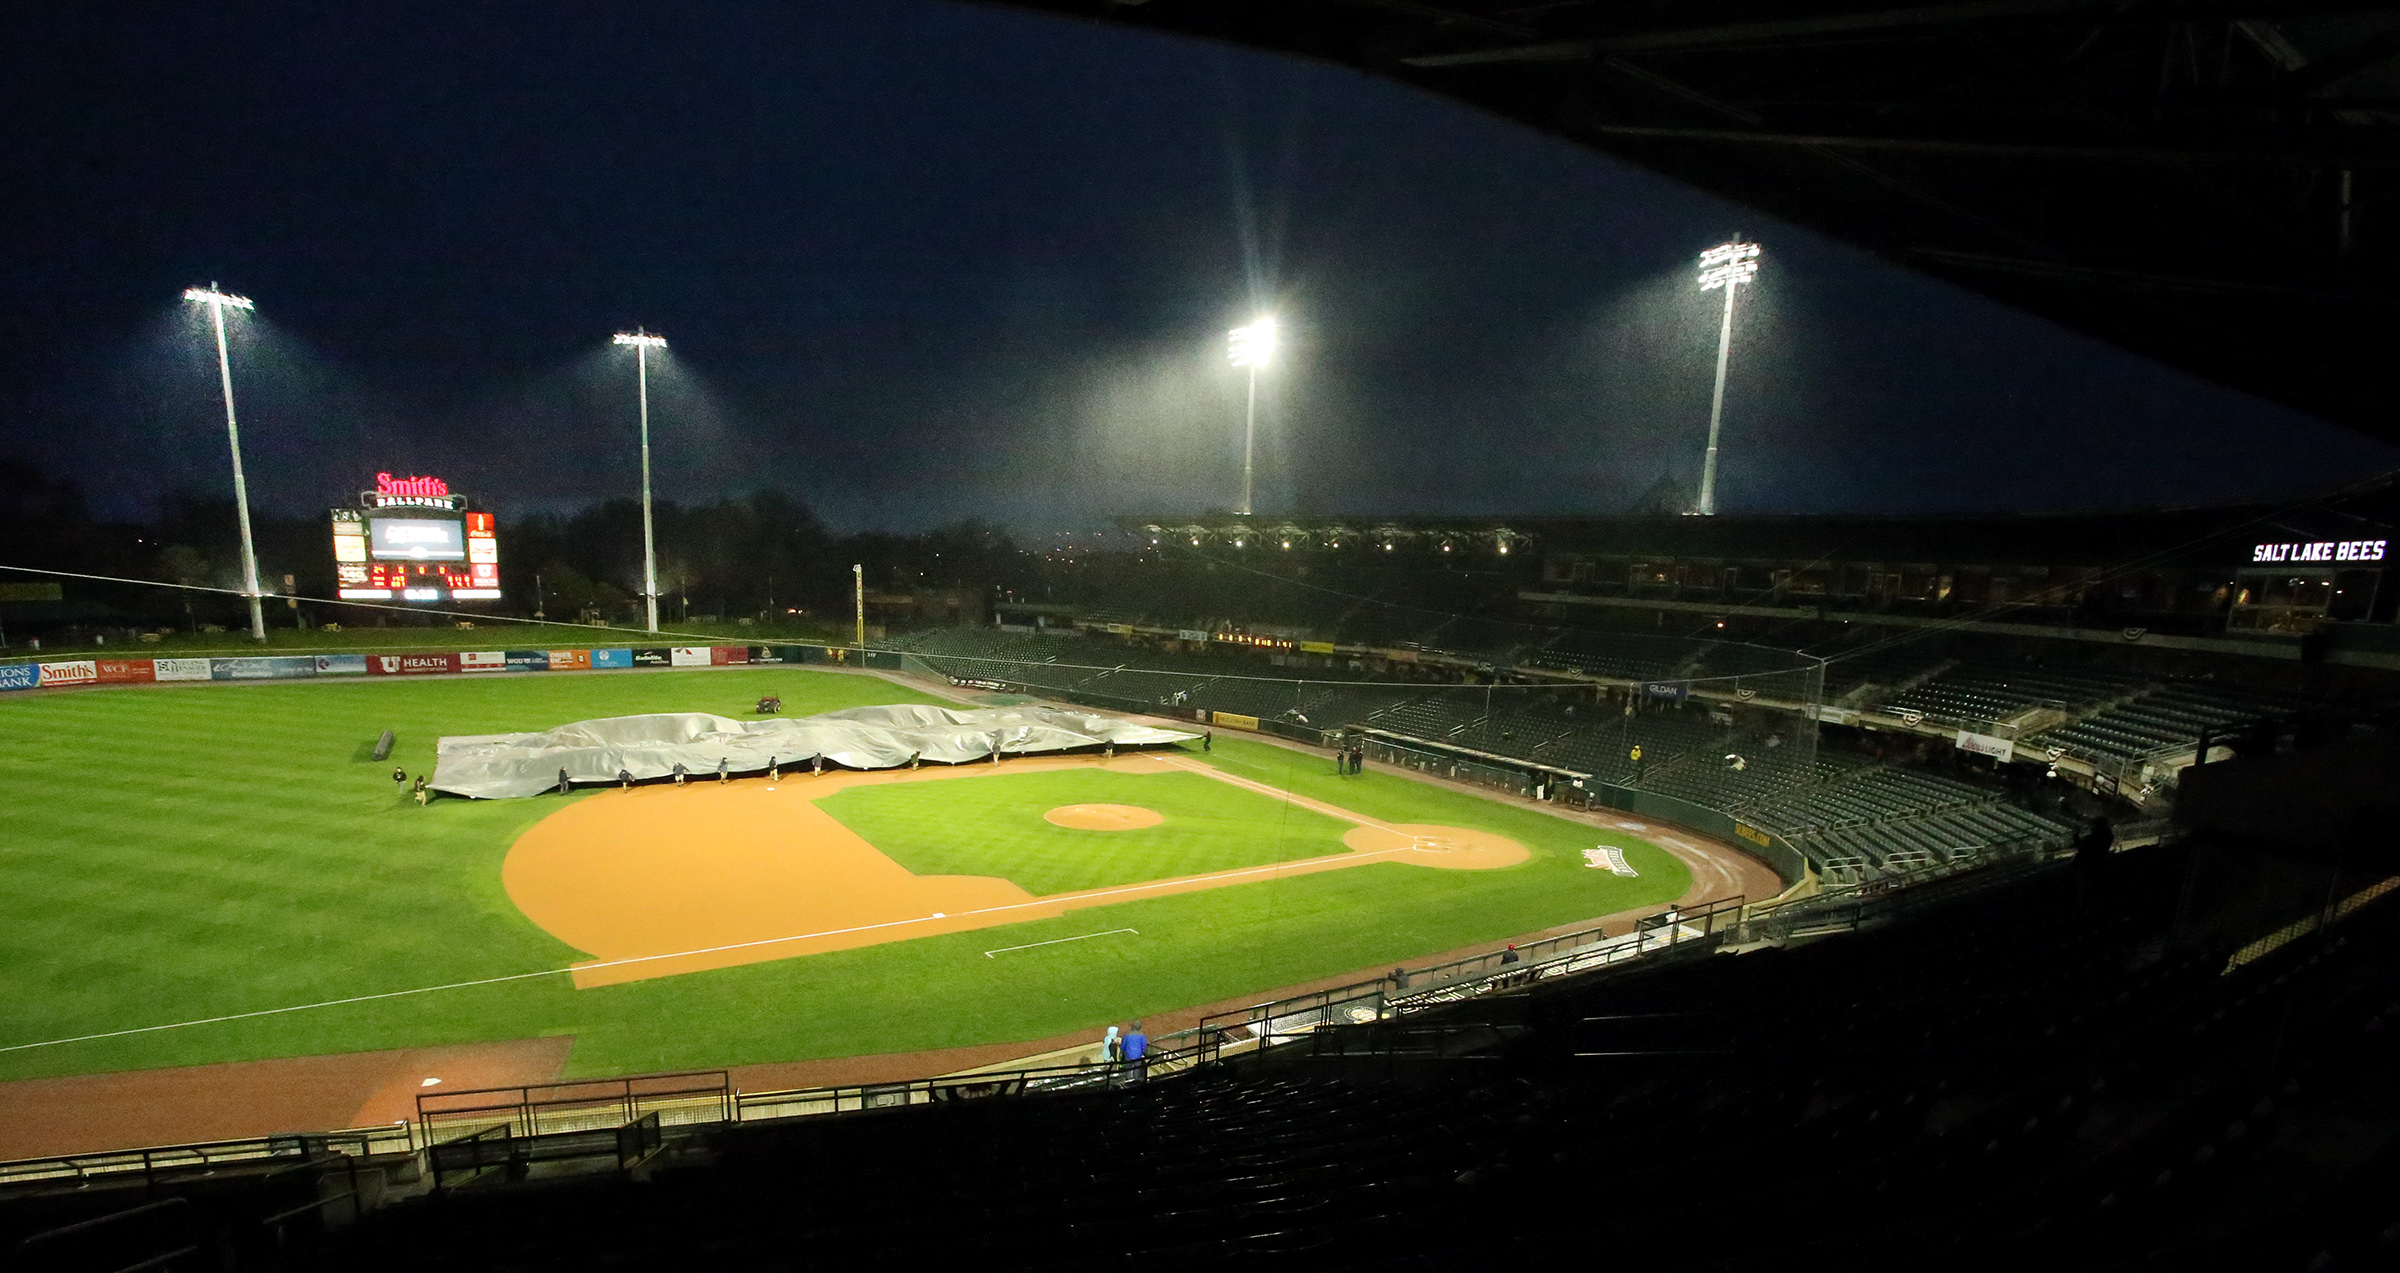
x=642, y=343
x=217, y=303
x=1252, y=347
x=1727, y=266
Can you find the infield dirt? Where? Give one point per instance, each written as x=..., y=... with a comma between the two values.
x=661, y=880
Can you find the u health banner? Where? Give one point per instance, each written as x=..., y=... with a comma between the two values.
x=409, y=664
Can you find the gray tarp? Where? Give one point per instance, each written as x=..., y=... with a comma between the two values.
x=491, y=766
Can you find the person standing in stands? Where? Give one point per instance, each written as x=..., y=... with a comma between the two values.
x=1112, y=1047
x=1137, y=1051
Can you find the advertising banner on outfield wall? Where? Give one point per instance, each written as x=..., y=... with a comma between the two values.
x=179, y=669
x=341, y=665
x=20, y=676
x=70, y=672
x=269, y=668
x=408, y=664
x=1234, y=720
x=1666, y=689
x=483, y=660
x=611, y=658
x=123, y=671
x=529, y=660
x=689, y=656
x=651, y=657
x=568, y=660
x=1316, y=647
x=720, y=655
x=774, y=654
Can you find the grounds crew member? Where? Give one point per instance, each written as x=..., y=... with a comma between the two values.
x=420, y=791
x=679, y=772
x=399, y=777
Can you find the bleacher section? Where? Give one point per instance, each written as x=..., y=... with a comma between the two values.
x=1986, y=693
x=2164, y=720
x=1835, y=807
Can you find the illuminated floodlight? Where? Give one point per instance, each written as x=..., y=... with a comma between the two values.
x=218, y=302
x=1726, y=266
x=211, y=296
x=642, y=342
x=1254, y=345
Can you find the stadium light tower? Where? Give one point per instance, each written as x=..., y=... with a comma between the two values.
x=1727, y=265
x=217, y=302
x=642, y=343
x=1253, y=347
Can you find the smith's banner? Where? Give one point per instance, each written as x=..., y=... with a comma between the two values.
x=612, y=658
x=20, y=676
x=179, y=669
x=70, y=672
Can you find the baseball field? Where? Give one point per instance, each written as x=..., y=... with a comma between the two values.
x=220, y=873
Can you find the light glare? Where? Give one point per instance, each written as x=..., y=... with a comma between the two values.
x=640, y=339
x=211, y=296
x=1254, y=345
x=1728, y=264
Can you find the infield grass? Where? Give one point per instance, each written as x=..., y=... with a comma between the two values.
x=176, y=854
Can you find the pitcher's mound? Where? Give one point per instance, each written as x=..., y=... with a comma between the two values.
x=1103, y=817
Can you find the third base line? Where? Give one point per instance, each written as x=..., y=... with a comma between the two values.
x=1056, y=940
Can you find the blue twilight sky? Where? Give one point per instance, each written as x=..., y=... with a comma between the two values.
x=921, y=260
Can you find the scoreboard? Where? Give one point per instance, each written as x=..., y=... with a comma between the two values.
x=410, y=539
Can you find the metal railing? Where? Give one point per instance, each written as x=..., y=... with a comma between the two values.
x=581, y=1105
x=168, y=1161
x=1386, y=997
x=851, y=1098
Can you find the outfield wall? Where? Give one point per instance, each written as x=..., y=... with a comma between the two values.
x=65, y=673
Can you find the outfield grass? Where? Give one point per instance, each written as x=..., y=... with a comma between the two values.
x=997, y=829
x=171, y=854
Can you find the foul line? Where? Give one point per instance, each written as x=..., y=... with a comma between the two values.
x=1056, y=940
x=1060, y=899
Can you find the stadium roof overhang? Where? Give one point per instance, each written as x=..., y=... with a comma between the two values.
x=2212, y=183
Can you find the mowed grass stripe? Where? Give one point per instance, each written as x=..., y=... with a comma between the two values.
x=998, y=829
x=179, y=853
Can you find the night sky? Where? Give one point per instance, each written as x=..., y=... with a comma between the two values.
x=921, y=261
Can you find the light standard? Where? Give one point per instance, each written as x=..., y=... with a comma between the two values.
x=642, y=343
x=1727, y=265
x=1253, y=347
x=216, y=302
